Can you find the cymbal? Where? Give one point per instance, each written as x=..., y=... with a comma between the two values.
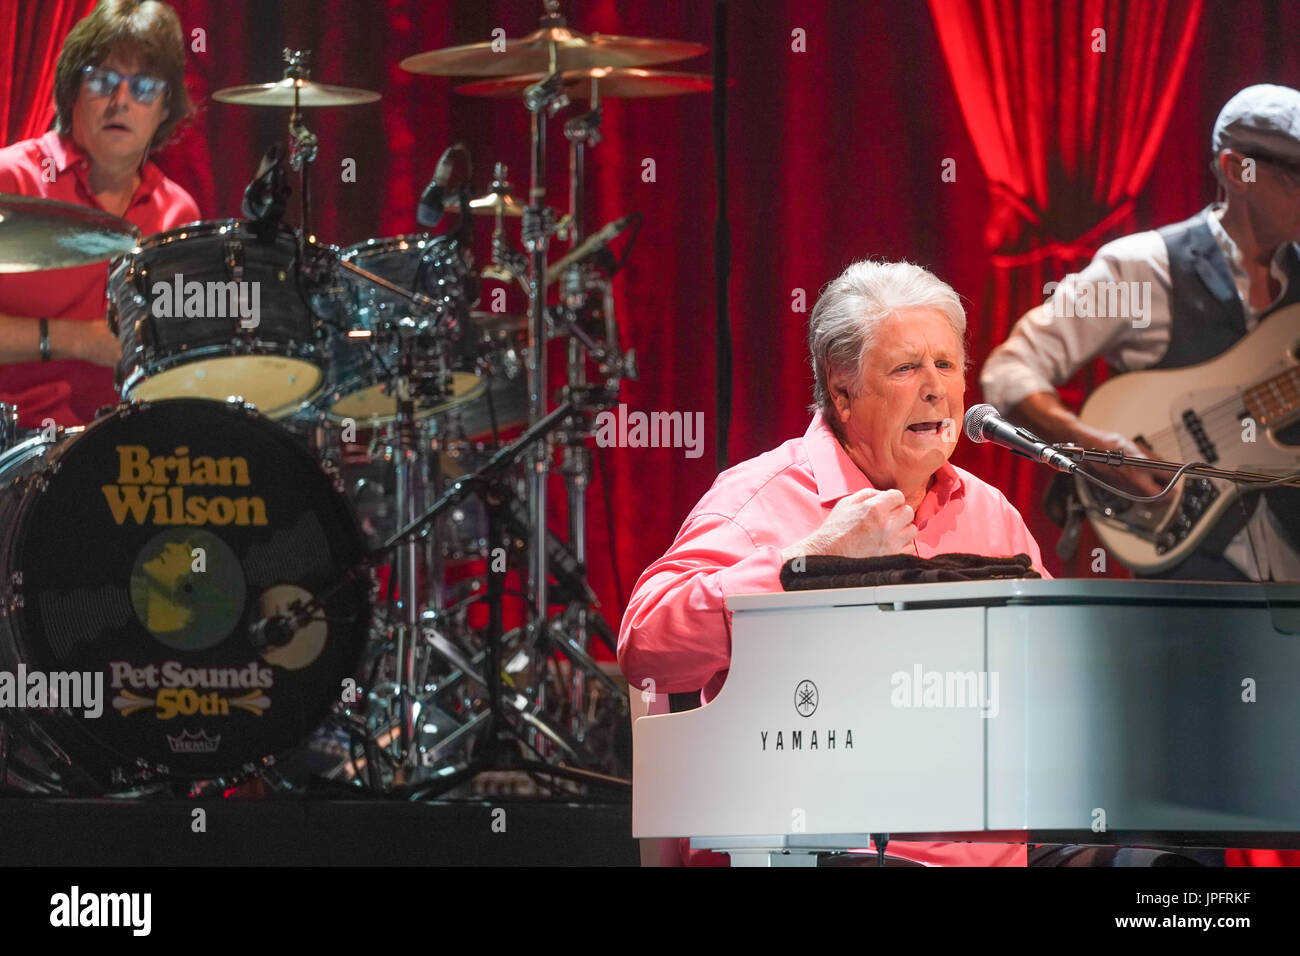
x=40, y=234
x=494, y=202
x=493, y=322
x=614, y=81
x=530, y=54
x=280, y=93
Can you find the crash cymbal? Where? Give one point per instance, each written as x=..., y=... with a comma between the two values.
x=531, y=54
x=40, y=234
x=618, y=82
x=280, y=93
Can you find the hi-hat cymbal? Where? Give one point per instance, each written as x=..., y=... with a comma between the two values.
x=496, y=203
x=498, y=322
x=610, y=81
x=280, y=93
x=531, y=54
x=40, y=234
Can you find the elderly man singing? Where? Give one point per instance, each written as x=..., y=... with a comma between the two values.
x=870, y=477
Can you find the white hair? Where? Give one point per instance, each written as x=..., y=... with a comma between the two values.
x=842, y=327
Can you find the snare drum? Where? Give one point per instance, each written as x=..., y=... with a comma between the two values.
x=215, y=310
x=362, y=356
x=138, y=552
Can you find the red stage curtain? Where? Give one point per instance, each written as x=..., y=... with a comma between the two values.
x=1067, y=132
x=31, y=35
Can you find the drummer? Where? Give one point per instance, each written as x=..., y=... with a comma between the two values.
x=119, y=93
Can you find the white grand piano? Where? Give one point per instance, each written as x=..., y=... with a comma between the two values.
x=1086, y=711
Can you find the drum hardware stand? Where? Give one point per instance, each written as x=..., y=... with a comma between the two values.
x=501, y=733
x=507, y=264
x=416, y=467
x=581, y=131
x=543, y=98
x=407, y=566
x=303, y=144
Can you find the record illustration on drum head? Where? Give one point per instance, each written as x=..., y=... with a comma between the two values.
x=187, y=589
x=307, y=641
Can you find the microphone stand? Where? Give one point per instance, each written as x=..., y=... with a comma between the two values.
x=1201, y=492
x=1118, y=459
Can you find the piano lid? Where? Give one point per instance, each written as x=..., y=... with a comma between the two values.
x=1031, y=591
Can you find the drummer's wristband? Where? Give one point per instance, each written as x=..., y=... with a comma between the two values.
x=45, y=340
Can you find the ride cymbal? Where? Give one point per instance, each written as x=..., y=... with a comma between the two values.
x=531, y=54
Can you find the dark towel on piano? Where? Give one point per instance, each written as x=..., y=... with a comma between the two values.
x=831, y=571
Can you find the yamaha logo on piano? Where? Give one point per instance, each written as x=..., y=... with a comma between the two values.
x=805, y=705
x=805, y=698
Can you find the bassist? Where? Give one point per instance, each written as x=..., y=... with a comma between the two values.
x=1205, y=282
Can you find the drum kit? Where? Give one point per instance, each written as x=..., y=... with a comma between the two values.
x=286, y=551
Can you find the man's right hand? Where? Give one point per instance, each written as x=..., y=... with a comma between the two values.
x=865, y=524
x=1045, y=414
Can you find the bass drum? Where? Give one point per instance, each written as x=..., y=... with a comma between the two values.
x=136, y=555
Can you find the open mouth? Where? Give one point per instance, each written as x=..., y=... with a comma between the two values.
x=121, y=127
x=927, y=428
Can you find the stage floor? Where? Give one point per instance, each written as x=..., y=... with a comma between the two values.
x=292, y=831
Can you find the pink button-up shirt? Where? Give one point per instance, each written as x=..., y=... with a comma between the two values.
x=677, y=628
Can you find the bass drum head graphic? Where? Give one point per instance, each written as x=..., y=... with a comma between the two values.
x=147, y=550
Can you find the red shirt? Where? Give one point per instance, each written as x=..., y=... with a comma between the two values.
x=69, y=390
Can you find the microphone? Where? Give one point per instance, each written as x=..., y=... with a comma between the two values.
x=983, y=423
x=265, y=197
x=433, y=200
x=594, y=244
x=276, y=630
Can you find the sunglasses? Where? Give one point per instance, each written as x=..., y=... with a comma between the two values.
x=104, y=82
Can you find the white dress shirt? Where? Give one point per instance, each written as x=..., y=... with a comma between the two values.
x=1044, y=351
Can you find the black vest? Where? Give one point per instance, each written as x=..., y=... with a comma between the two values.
x=1208, y=319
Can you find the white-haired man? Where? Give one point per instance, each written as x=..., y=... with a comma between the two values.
x=1212, y=279
x=869, y=477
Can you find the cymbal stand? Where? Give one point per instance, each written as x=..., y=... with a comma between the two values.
x=542, y=99
x=507, y=264
x=303, y=144
x=581, y=132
